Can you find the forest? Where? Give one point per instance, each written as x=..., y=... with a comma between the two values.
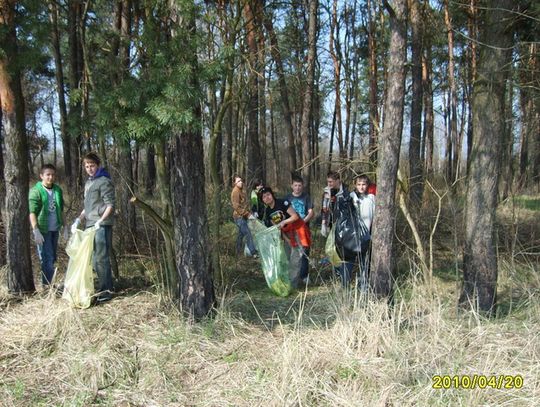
x=437, y=101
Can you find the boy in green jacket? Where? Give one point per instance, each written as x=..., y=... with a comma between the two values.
x=46, y=217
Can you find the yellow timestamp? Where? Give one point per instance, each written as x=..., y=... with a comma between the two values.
x=477, y=381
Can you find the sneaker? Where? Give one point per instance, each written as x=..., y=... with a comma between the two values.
x=103, y=298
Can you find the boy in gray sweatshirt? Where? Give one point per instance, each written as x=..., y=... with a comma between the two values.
x=99, y=201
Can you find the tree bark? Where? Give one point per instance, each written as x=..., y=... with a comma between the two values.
x=2, y=191
x=308, y=94
x=381, y=279
x=453, y=154
x=150, y=180
x=196, y=289
x=480, y=256
x=75, y=76
x=254, y=158
x=429, y=122
x=373, y=87
x=334, y=50
x=60, y=87
x=19, y=267
x=284, y=91
x=126, y=186
x=415, y=163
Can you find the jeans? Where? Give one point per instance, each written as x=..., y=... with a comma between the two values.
x=304, y=265
x=243, y=230
x=295, y=257
x=47, y=255
x=101, y=260
x=363, y=276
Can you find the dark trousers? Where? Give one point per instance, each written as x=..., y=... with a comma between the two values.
x=47, y=256
x=101, y=260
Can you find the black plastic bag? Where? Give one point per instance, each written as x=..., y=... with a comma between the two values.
x=351, y=234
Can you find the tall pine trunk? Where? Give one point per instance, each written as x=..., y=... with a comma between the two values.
x=480, y=255
x=308, y=94
x=283, y=89
x=254, y=158
x=383, y=258
x=19, y=267
x=196, y=290
x=415, y=163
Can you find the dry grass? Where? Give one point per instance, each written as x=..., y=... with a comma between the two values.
x=132, y=352
x=320, y=347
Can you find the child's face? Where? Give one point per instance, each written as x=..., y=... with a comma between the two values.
x=91, y=168
x=47, y=177
x=297, y=188
x=239, y=182
x=268, y=199
x=333, y=183
x=361, y=186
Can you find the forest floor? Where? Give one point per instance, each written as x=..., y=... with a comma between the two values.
x=319, y=346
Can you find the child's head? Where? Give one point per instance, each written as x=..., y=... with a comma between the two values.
x=47, y=173
x=91, y=163
x=267, y=196
x=361, y=184
x=257, y=184
x=238, y=181
x=297, y=185
x=333, y=180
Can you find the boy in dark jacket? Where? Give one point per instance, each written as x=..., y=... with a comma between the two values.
x=46, y=205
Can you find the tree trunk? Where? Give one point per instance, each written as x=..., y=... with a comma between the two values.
x=373, y=87
x=308, y=94
x=19, y=267
x=59, y=75
x=75, y=75
x=284, y=91
x=381, y=278
x=416, y=180
x=473, y=34
x=254, y=158
x=452, y=134
x=334, y=52
x=126, y=185
x=150, y=181
x=196, y=290
x=480, y=256
x=429, y=122
x=2, y=191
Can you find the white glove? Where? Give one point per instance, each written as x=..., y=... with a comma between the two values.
x=98, y=224
x=251, y=217
x=65, y=235
x=75, y=226
x=324, y=230
x=38, y=237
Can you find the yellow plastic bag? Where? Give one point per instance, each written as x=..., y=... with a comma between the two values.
x=330, y=248
x=79, y=283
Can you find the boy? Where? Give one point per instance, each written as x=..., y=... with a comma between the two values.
x=99, y=201
x=46, y=205
x=334, y=193
x=280, y=212
x=240, y=215
x=364, y=202
x=302, y=204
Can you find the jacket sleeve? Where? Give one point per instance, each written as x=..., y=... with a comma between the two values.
x=34, y=201
x=107, y=194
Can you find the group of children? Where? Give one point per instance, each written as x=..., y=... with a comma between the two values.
x=46, y=206
x=292, y=215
